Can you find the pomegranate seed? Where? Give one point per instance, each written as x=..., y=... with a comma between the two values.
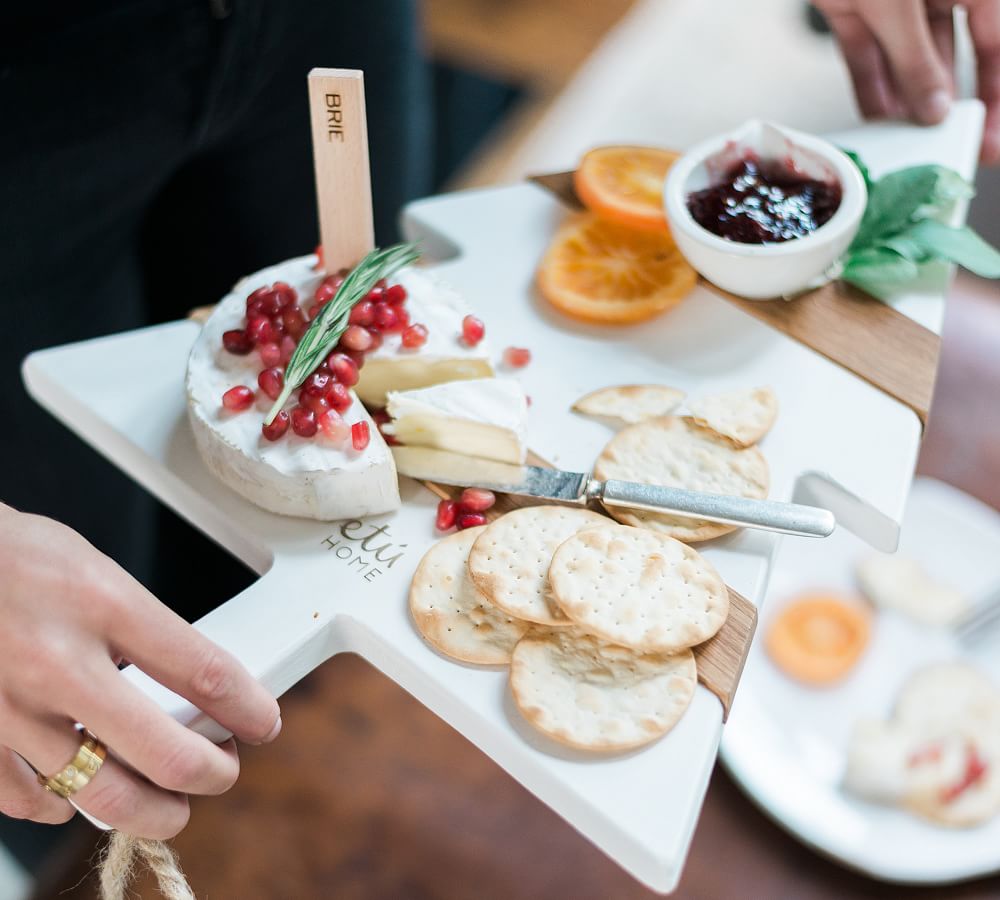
x=333, y=426
x=319, y=258
x=277, y=428
x=303, y=421
x=287, y=345
x=237, y=399
x=415, y=336
x=376, y=339
x=278, y=324
x=293, y=321
x=476, y=500
x=316, y=384
x=343, y=368
x=261, y=330
x=324, y=293
x=469, y=520
x=270, y=354
x=516, y=357
x=385, y=317
x=363, y=313
x=377, y=293
x=338, y=396
x=255, y=298
x=358, y=356
x=527, y=399
x=447, y=511
x=285, y=292
x=237, y=341
x=473, y=330
x=314, y=311
x=402, y=318
x=318, y=405
x=271, y=381
x=356, y=338
x=271, y=302
x=382, y=284
x=360, y=435
x=394, y=294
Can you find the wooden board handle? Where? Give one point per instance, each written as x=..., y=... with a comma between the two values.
x=340, y=157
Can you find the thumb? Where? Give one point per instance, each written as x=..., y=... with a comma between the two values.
x=921, y=77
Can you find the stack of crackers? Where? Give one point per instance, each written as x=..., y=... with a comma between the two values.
x=597, y=618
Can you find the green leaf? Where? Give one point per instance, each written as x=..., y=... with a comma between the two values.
x=325, y=330
x=958, y=245
x=892, y=201
x=879, y=270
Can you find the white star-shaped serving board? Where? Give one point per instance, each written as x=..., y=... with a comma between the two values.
x=328, y=588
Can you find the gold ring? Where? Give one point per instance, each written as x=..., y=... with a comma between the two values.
x=81, y=769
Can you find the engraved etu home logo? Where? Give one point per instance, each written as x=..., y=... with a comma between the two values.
x=365, y=548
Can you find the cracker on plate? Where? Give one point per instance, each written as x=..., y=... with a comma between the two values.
x=638, y=588
x=509, y=561
x=630, y=403
x=742, y=416
x=672, y=451
x=451, y=613
x=592, y=695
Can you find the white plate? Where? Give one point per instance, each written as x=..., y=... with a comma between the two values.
x=785, y=744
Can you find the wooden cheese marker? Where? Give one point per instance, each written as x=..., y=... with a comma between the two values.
x=340, y=158
x=720, y=660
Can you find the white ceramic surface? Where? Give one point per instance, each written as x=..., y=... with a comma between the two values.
x=325, y=591
x=785, y=744
x=760, y=271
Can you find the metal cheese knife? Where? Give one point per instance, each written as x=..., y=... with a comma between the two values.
x=444, y=467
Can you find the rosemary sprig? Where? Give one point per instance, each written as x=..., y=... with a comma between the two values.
x=325, y=330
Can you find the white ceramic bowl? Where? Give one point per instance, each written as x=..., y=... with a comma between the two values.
x=760, y=271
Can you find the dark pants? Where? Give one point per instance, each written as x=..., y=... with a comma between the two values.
x=151, y=152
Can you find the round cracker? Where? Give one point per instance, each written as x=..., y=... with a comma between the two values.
x=638, y=588
x=592, y=695
x=509, y=561
x=451, y=613
x=742, y=416
x=673, y=452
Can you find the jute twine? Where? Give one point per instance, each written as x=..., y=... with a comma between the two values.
x=123, y=855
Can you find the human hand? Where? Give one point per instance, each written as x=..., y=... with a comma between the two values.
x=900, y=54
x=69, y=615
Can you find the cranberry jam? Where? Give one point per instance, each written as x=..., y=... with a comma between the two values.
x=764, y=202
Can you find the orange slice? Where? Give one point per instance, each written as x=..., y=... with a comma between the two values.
x=625, y=184
x=818, y=638
x=604, y=272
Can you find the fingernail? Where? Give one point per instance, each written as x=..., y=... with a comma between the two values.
x=935, y=107
x=274, y=731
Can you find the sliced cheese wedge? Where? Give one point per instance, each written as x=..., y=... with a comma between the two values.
x=293, y=476
x=444, y=357
x=484, y=417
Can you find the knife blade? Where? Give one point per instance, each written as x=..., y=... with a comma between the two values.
x=579, y=488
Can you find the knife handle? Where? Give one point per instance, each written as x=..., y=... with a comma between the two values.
x=769, y=515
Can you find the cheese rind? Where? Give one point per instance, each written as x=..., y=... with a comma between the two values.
x=293, y=476
x=444, y=357
x=483, y=417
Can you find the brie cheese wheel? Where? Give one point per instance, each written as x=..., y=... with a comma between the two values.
x=485, y=417
x=294, y=476
x=444, y=357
